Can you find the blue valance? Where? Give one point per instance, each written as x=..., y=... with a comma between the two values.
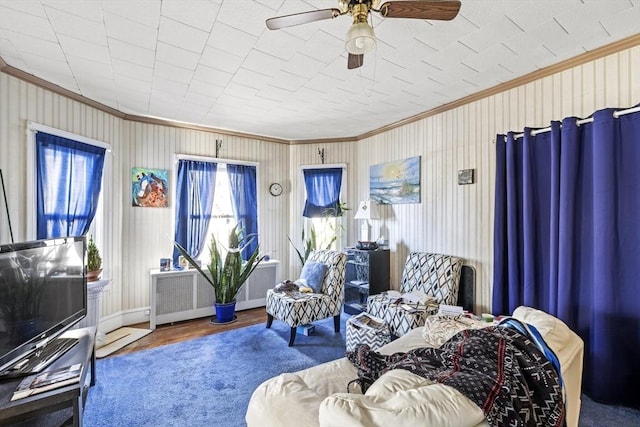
x=323, y=192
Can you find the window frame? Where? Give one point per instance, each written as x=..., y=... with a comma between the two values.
x=302, y=192
x=174, y=184
x=97, y=226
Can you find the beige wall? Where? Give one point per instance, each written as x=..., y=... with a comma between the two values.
x=457, y=219
x=135, y=238
x=149, y=231
x=22, y=102
x=307, y=155
x=451, y=219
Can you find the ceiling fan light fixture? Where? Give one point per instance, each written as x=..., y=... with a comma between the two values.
x=360, y=39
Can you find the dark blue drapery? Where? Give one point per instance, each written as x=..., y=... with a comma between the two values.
x=242, y=179
x=69, y=179
x=567, y=240
x=195, y=189
x=323, y=192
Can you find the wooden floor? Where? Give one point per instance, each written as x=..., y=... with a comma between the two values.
x=182, y=331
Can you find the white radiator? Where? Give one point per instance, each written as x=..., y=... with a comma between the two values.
x=185, y=294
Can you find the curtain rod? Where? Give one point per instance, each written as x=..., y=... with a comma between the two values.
x=616, y=114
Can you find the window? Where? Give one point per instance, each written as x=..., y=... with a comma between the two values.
x=222, y=218
x=69, y=180
x=328, y=232
x=65, y=183
x=323, y=207
x=211, y=198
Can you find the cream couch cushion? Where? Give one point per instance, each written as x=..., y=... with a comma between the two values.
x=568, y=347
x=317, y=396
x=401, y=398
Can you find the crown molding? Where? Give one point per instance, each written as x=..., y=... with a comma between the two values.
x=581, y=59
x=203, y=128
x=37, y=81
x=323, y=140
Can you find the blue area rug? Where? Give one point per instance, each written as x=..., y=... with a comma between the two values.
x=203, y=381
x=594, y=414
x=209, y=380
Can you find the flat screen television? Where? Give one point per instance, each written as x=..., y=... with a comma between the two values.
x=43, y=292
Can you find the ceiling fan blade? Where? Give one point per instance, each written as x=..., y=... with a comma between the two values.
x=355, y=61
x=301, y=18
x=444, y=10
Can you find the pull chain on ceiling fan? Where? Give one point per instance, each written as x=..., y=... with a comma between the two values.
x=360, y=37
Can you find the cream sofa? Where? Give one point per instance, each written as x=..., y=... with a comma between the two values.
x=317, y=396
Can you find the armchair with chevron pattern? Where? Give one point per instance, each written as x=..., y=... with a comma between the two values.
x=436, y=275
x=306, y=308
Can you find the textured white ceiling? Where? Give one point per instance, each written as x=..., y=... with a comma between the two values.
x=214, y=63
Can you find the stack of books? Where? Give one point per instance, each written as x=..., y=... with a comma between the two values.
x=48, y=380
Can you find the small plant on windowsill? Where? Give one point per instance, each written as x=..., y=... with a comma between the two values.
x=94, y=261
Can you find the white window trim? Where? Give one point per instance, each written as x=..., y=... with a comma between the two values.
x=32, y=194
x=343, y=192
x=174, y=186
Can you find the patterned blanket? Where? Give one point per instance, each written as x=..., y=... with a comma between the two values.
x=498, y=368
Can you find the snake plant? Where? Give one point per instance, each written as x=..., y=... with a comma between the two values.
x=226, y=276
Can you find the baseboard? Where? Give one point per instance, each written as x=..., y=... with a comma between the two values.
x=141, y=315
x=123, y=318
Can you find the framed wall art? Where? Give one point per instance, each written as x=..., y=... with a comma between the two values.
x=149, y=188
x=395, y=182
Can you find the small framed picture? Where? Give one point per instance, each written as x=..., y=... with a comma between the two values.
x=149, y=188
x=465, y=176
x=165, y=264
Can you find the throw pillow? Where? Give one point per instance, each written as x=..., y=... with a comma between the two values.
x=312, y=275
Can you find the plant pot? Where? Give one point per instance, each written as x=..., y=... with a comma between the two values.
x=94, y=275
x=225, y=312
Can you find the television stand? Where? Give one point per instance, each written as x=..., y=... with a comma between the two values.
x=40, y=358
x=43, y=408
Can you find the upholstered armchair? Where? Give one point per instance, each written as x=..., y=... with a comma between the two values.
x=301, y=309
x=436, y=275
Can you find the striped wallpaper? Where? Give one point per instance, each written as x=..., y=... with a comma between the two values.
x=450, y=219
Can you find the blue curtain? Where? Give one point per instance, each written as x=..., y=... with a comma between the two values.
x=69, y=179
x=323, y=192
x=567, y=240
x=195, y=188
x=242, y=179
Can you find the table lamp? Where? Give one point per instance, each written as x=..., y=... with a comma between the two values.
x=366, y=210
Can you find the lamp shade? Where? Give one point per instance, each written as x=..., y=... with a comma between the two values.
x=360, y=39
x=366, y=210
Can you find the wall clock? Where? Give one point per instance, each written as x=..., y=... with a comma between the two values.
x=275, y=189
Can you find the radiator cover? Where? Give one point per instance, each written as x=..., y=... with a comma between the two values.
x=184, y=294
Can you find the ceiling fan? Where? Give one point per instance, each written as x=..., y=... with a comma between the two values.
x=360, y=37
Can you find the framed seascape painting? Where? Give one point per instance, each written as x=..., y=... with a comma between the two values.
x=395, y=182
x=149, y=188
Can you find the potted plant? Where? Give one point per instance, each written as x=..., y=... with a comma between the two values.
x=94, y=261
x=226, y=276
x=312, y=243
